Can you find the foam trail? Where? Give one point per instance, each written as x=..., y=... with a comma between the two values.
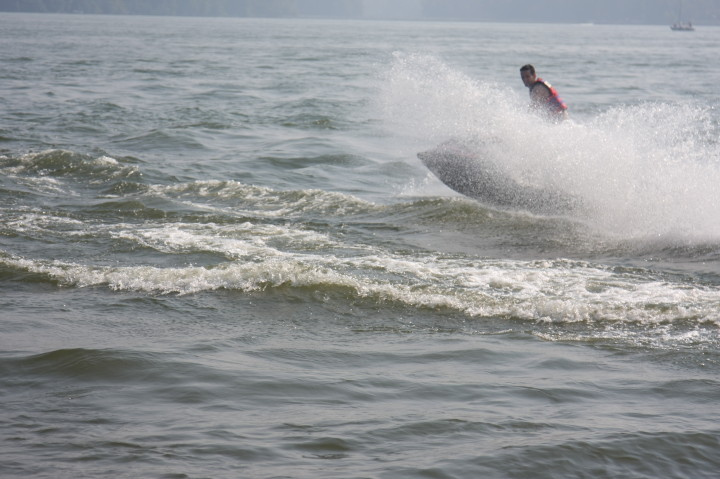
x=646, y=171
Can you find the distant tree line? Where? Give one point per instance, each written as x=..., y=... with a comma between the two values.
x=211, y=8
x=554, y=11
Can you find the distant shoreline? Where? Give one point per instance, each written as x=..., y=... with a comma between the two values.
x=370, y=19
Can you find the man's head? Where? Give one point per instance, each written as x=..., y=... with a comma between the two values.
x=527, y=73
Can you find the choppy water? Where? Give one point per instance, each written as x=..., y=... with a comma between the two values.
x=220, y=256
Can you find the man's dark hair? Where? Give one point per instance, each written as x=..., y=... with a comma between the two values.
x=528, y=67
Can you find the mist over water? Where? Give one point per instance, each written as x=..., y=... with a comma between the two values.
x=643, y=172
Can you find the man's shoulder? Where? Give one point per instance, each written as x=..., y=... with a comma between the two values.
x=540, y=88
x=541, y=83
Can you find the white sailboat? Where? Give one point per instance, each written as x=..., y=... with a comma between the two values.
x=681, y=26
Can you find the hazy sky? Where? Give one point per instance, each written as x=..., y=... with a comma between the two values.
x=393, y=8
x=598, y=11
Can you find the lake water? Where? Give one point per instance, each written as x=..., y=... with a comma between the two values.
x=220, y=256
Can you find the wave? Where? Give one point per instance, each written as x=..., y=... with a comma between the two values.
x=559, y=292
x=67, y=164
x=265, y=201
x=88, y=364
x=184, y=238
x=122, y=199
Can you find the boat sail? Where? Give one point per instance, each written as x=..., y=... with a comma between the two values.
x=681, y=26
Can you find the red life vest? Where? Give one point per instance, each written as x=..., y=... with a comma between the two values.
x=554, y=102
